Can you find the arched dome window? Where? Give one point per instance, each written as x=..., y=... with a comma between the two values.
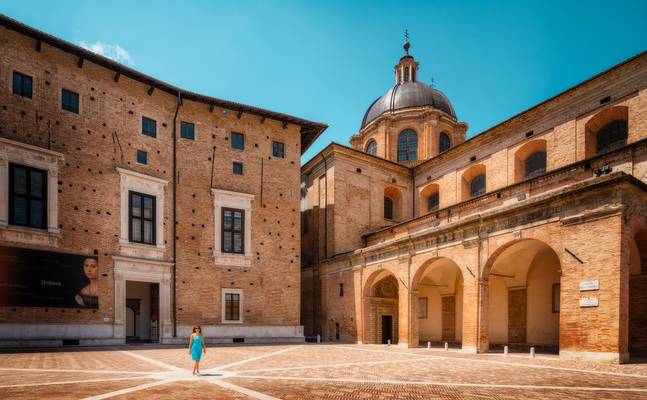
x=388, y=207
x=443, y=142
x=407, y=146
x=535, y=164
x=371, y=147
x=477, y=186
x=433, y=202
x=611, y=136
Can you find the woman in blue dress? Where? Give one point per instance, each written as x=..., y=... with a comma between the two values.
x=197, y=346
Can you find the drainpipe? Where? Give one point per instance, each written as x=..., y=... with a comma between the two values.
x=178, y=102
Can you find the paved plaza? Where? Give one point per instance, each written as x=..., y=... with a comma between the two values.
x=311, y=372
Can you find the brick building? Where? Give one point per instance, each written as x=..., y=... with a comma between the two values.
x=97, y=161
x=532, y=233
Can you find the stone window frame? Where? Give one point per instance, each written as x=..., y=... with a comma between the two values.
x=241, y=316
x=235, y=200
x=32, y=156
x=131, y=181
x=24, y=70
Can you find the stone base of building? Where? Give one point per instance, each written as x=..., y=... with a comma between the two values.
x=610, y=357
x=220, y=334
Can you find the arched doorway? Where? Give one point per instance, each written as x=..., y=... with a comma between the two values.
x=438, y=285
x=524, y=297
x=381, y=308
x=638, y=295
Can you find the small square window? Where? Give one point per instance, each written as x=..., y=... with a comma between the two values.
x=22, y=85
x=278, y=149
x=187, y=130
x=237, y=141
x=149, y=127
x=238, y=168
x=142, y=157
x=70, y=101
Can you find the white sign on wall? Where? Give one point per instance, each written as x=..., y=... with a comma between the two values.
x=589, y=302
x=589, y=285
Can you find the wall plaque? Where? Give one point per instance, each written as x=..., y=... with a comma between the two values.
x=589, y=285
x=589, y=302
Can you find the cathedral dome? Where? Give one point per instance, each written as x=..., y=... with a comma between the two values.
x=408, y=94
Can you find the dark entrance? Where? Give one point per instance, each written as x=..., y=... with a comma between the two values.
x=387, y=328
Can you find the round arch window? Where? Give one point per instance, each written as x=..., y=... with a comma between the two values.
x=407, y=146
x=477, y=186
x=371, y=148
x=443, y=142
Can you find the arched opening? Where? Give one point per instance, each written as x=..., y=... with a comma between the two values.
x=474, y=183
x=444, y=143
x=439, y=317
x=607, y=131
x=530, y=160
x=381, y=308
x=638, y=295
x=430, y=198
x=392, y=204
x=407, y=146
x=524, y=297
x=371, y=147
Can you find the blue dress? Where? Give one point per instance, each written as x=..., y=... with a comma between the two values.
x=196, y=348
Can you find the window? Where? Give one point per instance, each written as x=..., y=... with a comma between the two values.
x=612, y=136
x=27, y=196
x=388, y=208
x=70, y=101
x=341, y=290
x=22, y=85
x=443, y=142
x=149, y=127
x=371, y=148
x=433, y=201
x=556, y=287
x=232, y=307
x=187, y=130
x=142, y=157
x=233, y=222
x=278, y=149
x=477, y=186
x=237, y=141
x=238, y=168
x=407, y=146
x=142, y=218
x=422, y=308
x=535, y=164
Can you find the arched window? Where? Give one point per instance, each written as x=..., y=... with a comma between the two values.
x=407, y=146
x=443, y=142
x=433, y=202
x=477, y=186
x=371, y=148
x=535, y=165
x=388, y=208
x=611, y=136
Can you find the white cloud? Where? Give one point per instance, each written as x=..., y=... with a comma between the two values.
x=112, y=51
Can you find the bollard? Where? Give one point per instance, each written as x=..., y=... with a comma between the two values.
x=532, y=352
x=388, y=342
x=318, y=338
x=505, y=350
x=446, y=346
x=429, y=345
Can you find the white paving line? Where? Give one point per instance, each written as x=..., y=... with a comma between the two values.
x=72, y=382
x=332, y=365
x=151, y=360
x=253, y=358
x=127, y=390
x=453, y=384
x=84, y=371
x=251, y=393
x=591, y=371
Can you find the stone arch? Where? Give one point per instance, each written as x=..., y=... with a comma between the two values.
x=524, y=295
x=393, y=196
x=606, y=131
x=438, y=286
x=380, y=309
x=429, y=197
x=521, y=158
x=473, y=172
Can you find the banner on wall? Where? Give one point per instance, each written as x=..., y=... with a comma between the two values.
x=37, y=278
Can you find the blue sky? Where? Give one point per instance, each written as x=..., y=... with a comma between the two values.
x=327, y=61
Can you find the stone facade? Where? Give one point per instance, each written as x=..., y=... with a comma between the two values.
x=91, y=159
x=550, y=257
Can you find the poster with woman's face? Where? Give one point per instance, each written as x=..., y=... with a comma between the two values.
x=47, y=279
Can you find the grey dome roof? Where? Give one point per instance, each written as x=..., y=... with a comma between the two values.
x=408, y=95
